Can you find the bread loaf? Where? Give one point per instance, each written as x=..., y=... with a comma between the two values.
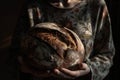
x=47, y=46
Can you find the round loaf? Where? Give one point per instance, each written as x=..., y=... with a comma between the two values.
x=47, y=46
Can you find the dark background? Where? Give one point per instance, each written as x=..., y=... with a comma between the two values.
x=9, y=13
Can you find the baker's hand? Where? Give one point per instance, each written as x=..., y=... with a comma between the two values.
x=66, y=73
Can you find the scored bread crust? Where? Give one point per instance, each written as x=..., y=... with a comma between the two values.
x=47, y=46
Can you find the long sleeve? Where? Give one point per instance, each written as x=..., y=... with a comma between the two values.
x=103, y=51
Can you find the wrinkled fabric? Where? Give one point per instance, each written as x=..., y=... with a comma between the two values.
x=89, y=19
